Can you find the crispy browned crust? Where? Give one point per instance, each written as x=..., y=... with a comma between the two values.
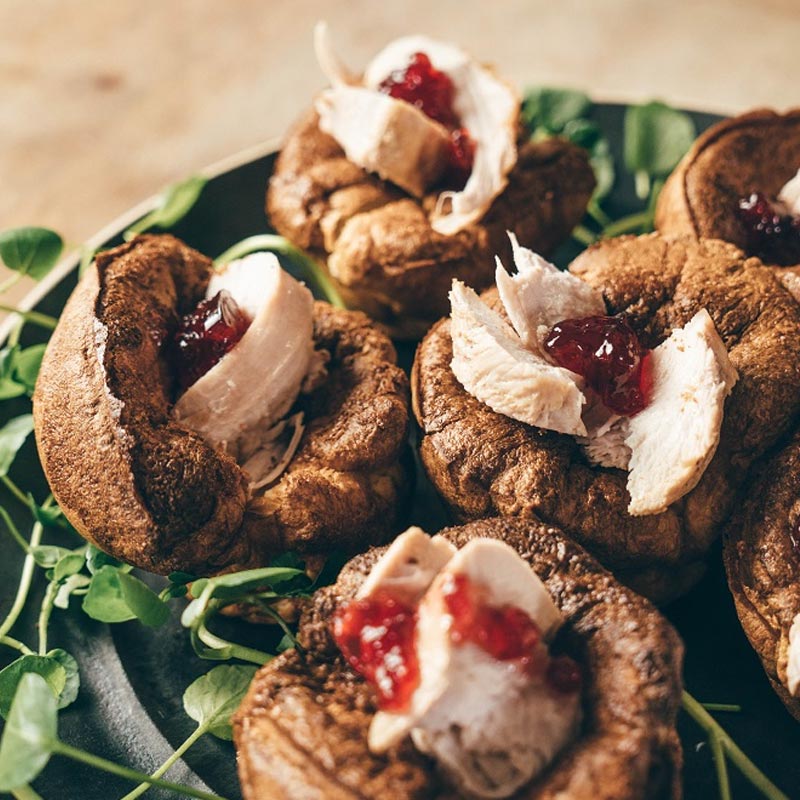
x=763, y=564
x=378, y=242
x=484, y=463
x=757, y=151
x=301, y=732
x=153, y=493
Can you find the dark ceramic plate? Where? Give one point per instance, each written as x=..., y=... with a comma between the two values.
x=129, y=708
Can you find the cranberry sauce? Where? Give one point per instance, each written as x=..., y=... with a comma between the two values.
x=773, y=234
x=206, y=334
x=432, y=92
x=377, y=636
x=506, y=633
x=607, y=353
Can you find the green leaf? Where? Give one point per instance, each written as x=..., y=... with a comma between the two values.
x=104, y=601
x=74, y=584
x=552, y=109
x=96, y=559
x=49, y=668
x=30, y=251
x=656, y=138
x=235, y=584
x=50, y=517
x=27, y=363
x=48, y=555
x=287, y=642
x=143, y=601
x=174, y=204
x=212, y=699
x=69, y=564
x=73, y=682
x=30, y=733
x=603, y=165
x=12, y=436
x=9, y=386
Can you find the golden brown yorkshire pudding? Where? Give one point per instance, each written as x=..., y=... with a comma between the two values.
x=754, y=152
x=378, y=242
x=485, y=463
x=148, y=490
x=762, y=559
x=301, y=731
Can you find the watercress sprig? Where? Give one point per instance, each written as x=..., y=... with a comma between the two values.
x=174, y=203
x=309, y=268
x=30, y=739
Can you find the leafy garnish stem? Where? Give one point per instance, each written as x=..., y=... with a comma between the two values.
x=15, y=490
x=721, y=766
x=12, y=528
x=277, y=244
x=12, y=280
x=63, y=749
x=25, y=793
x=732, y=707
x=583, y=235
x=24, y=582
x=641, y=220
x=10, y=641
x=44, y=615
x=230, y=649
x=280, y=620
x=143, y=787
x=34, y=317
x=756, y=777
x=595, y=211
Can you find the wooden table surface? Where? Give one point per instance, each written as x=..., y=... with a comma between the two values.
x=104, y=102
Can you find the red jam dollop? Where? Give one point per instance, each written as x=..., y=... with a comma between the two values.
x=506, y=633
x=607, y=353
x=377, y=636
x=773, y=234
x=206, y=334
x=432, y=92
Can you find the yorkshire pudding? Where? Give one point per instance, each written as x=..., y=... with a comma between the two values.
x=754, y=152
x=378, y=242
x=484, y=463
x=146, y=489
x=762, y=559
x=302, y=729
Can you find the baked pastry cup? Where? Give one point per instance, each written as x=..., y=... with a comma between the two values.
x=302, y=729
x=378, y=241
x=755, y=152
x=484, y=463
x=762, y=560
x=142, y=486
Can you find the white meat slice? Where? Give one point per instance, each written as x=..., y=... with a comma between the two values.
x=539, y=295
x=491, y=363
x=489, y=726
x=673, y=439
x=239, y=400
x=384, y=135
x=487, y=107
x=409, y=566
x=790, y=194
x=378, y=132
x=793, y=659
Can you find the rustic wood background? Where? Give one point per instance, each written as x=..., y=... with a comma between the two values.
x=102, y=102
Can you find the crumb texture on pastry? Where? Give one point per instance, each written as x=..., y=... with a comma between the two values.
x=142, y=487
x=302, y=729
x=378, y=242
x=484, y=463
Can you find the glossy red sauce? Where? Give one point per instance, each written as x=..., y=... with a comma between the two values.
x=506, y=632
x=773, y=234
x=607, y=353
x=206, y=334
x=563, y=675
x=377, y=636
x=432, y=92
